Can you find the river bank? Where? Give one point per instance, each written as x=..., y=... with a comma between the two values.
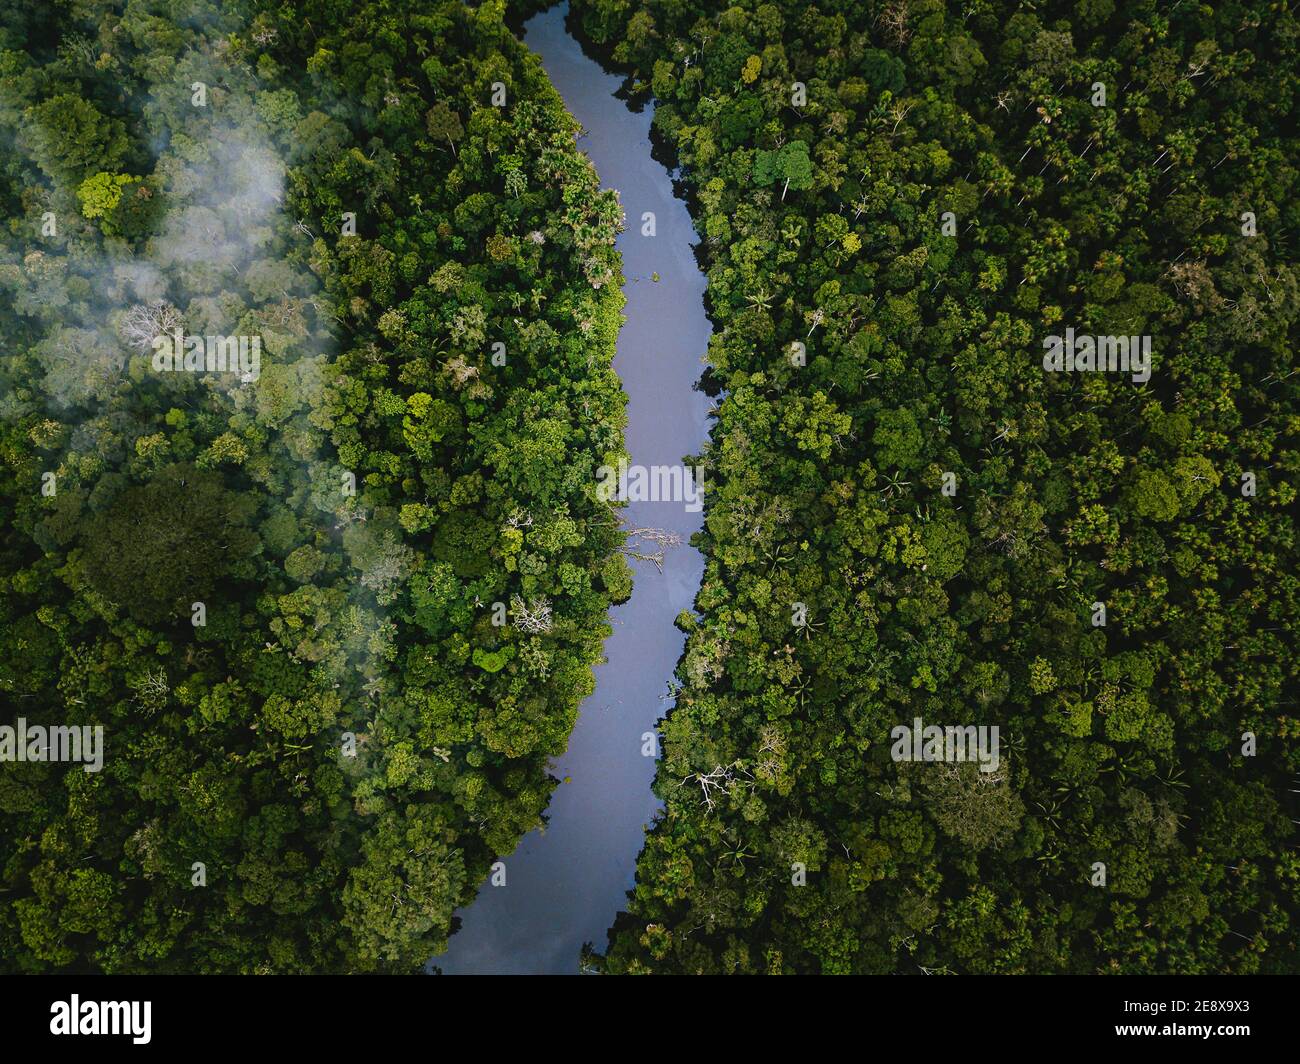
x=564, y=885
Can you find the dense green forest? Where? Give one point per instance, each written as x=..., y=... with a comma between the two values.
x=335, y=607
x=920, y=194
x=334, y=613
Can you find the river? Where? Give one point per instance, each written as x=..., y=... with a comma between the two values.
x=564, y=885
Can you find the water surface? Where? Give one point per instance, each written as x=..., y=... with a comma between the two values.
x=564, y=885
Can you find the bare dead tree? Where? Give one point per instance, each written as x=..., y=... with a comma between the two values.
x=145, y=322
x=662, y=540
x=893, y=23
x=460, y=370
x=533, y=618
x=719, y=781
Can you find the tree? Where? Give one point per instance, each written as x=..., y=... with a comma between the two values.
x=70, y=138
x=789, y=164
x=444, y=123
x=163, y=545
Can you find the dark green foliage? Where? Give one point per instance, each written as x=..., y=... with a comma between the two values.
x=167, y=543
x=1121, y=744
x=340, y=736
